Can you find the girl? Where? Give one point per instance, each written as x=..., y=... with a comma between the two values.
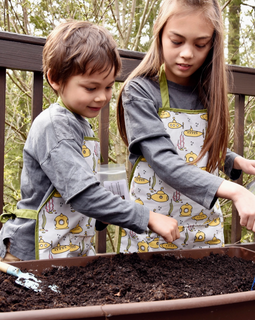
x=173, y=113
x=60, y=192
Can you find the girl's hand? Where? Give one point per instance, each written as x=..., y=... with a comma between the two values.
x=165, y=226
x=243, y=200
x=248, y=166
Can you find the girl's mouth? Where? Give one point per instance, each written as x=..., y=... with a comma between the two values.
x=183, y=67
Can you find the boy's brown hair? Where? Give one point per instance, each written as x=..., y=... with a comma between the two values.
x=76, y=47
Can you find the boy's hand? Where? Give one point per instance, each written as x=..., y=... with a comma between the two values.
x=165, y=226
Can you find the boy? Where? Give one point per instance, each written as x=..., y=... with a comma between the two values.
x=60, y=192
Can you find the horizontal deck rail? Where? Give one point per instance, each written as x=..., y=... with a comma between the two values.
x=22, y=52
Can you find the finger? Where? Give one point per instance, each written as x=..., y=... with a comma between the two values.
x=250, y=223
x=168, y=238
x=244, y=220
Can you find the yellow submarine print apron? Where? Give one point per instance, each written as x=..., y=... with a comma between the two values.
x=63, y=232
x=60, y=231
x=198, y=226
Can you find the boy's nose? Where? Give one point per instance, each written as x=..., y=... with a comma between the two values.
x=100, y=97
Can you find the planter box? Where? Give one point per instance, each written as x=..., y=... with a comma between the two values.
x=227, y=306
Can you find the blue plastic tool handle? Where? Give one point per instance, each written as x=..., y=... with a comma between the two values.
x=13, y=271
x=253, y=284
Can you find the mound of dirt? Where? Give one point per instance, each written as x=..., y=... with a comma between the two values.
x=127, y=278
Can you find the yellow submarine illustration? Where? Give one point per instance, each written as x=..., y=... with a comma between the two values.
x=56, y=194
x=159, y=196
x=200, y=216
x=190, y=157
x=164, y=114
x=204, y=116
x=181, y=228
x=212, y=223
x=77, y=229
x=185, y=210
x=168, y=246
x=193, y=133
x=200, y=236
x=139, y=201
x=213, y=241
x=143, y=246
x=85, y=151
x=61, y=222
x=64, y=248
x=175, y=125
x=139, y=180
x=154, y=243
x=203, y=168
x=123, y=232
x=60, y=249
x=43, y=244
x=73, y=247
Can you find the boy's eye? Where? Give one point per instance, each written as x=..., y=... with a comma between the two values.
x=90, y=89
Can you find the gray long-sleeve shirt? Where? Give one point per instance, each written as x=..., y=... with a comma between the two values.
x=147, y=137
x=52, y=158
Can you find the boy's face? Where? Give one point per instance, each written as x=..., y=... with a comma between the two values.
x=86, y=94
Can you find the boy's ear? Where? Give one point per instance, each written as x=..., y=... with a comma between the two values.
x=54, y=85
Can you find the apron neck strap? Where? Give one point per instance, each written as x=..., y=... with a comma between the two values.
x=164, y=88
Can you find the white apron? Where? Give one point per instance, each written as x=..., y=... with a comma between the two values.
x=63, y=232
x=60, y=231
x=198, y=226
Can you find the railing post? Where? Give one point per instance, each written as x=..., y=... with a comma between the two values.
x=37, y=99
x=104, y=142
x=2, y=130
x=236, y=228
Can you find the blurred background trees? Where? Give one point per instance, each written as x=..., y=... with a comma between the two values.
x=130, y=22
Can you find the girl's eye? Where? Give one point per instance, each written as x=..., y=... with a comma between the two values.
x=200, y=46
x=109, y=88
x=176, y=42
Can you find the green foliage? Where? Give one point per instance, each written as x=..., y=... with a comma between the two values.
x=131, y=24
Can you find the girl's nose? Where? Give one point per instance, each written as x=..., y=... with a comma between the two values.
x=187, y=53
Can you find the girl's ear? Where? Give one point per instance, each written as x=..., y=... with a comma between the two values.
x=54, y=85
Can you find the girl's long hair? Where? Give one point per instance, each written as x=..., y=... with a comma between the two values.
x=211, y=78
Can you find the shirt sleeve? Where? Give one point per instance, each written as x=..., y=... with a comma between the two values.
x=54, y=154
x=147, y=137
x=232, y=173
x=98, y=203
x=73, y=178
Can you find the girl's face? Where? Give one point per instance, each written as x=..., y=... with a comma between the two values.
x=86, y=94
x=186, y=42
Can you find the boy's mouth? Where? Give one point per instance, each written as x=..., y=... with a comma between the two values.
x=95, y=108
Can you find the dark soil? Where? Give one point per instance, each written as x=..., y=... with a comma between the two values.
x=127, y=278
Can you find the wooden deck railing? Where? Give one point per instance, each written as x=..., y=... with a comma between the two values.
x=21, y=52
